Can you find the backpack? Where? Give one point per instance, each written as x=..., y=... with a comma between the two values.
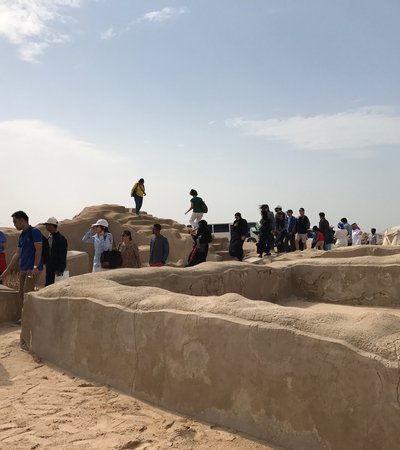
x=111, y=259
x=45, y=246
x=204, y=207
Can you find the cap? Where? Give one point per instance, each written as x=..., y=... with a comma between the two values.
x=100, y=222
x=51, y=221
x=278, y=207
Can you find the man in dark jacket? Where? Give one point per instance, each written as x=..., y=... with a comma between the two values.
x=58, y=246
x=302, y=227
x=290, y=245
x=239, y=231
x=159, y=248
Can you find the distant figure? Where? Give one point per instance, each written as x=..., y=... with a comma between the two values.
x=202, y=237
x=58, y=246
x=302, y=227
x=324, y=227
x=102, y=239
x=341, y=236
x=356, y=234
x=290, y=244
x=29, y=256
x=129, y=251
x=329, y=239
x=138, y=192
x=3, y=244
x=239, y=231
x=266, y=231
x=349, y=230
x=280, y=229
x=373, y=237
x=196, y=205
x=319, y=239
x=159, y=248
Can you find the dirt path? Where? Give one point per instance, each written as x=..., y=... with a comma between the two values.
x=42, y=407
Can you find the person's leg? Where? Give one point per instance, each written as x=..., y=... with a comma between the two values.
x=138, y=204
x=19, y=301
x=304, y=240
x=240, y=251
x=50, y=277
x=195, y=219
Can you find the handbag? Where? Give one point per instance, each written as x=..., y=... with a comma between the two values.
x=111, y=259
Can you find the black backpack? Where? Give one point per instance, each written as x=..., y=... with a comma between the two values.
x=45, y=246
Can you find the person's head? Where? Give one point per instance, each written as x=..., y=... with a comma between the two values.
x=322, y=215
x=278, y=208
x=355, y=226
x=51, y=224
x=301, y=211
x=157, y=229
x=315, y=228
x=141, y=181
x=20, y=220
x=126, y=236
x=264, y=207
x=238, y=216
x=340, y=225
x=344, y=220
x=193, y=192
x=101, y=226
x=202, y=225
x=373, y=230
x=289, y=212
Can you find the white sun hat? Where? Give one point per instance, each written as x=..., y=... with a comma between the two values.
x=100, y=222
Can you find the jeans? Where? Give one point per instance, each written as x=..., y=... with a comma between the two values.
x=138, y=203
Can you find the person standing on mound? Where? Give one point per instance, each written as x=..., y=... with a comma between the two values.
x=196, y=205
x=239, y=231
x=159, y=248
x=129, y=251
x=266, y=231
x=202, y=237
x=101, y=238
x=29, y=256
x=138, y=192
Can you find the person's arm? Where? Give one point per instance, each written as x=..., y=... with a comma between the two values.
x=191, y=206
x=62, y=262
x=38, y=256
x=165, y=250
x=12, y=264
x=88, y=237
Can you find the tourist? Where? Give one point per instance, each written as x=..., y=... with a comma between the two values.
x=280, y=229
x=138, y=192
x=29, y=256
x=202, y=237
x=324, y=227
x=319, y=239
x=349, y=230
x=341, y=236
x=57, y=258
x=329, y=238
x=3, y=244
x=302, y=227
x=266, y=231
x=159, y=248
x=356, y=235
x=290, y=245
x=102, y=239
x=239, y=231
x=197, y=208
x=373, y=237
x=129, y=251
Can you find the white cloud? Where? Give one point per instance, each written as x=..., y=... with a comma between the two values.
x=163, y=14
x=361, y=130
x=29, y=24
x=48, y=171
x=108, y=34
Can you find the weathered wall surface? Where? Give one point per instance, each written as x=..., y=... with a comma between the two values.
x=7, y=304
x=303, y=380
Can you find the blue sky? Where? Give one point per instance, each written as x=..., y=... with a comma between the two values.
x=280, y=102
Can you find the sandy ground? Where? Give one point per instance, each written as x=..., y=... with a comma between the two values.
x=42, y=407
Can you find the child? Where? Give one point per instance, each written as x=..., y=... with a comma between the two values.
x=319, y=239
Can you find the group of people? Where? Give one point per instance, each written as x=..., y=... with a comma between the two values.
x=289, y=233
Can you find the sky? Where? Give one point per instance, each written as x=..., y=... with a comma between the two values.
x=286, y=102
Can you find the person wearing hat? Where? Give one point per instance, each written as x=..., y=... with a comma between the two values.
x=280, y=229
x=101, y=238
x=57, y=257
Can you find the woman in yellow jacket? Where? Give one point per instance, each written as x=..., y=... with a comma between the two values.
x=138, y=193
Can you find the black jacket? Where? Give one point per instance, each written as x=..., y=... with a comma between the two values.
x=57, y=261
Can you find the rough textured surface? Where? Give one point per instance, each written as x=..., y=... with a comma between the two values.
x=303, y=378
x=7, y=304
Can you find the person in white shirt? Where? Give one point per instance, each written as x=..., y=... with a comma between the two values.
x=102, y=239
x=341, y=236
x=356, y=236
